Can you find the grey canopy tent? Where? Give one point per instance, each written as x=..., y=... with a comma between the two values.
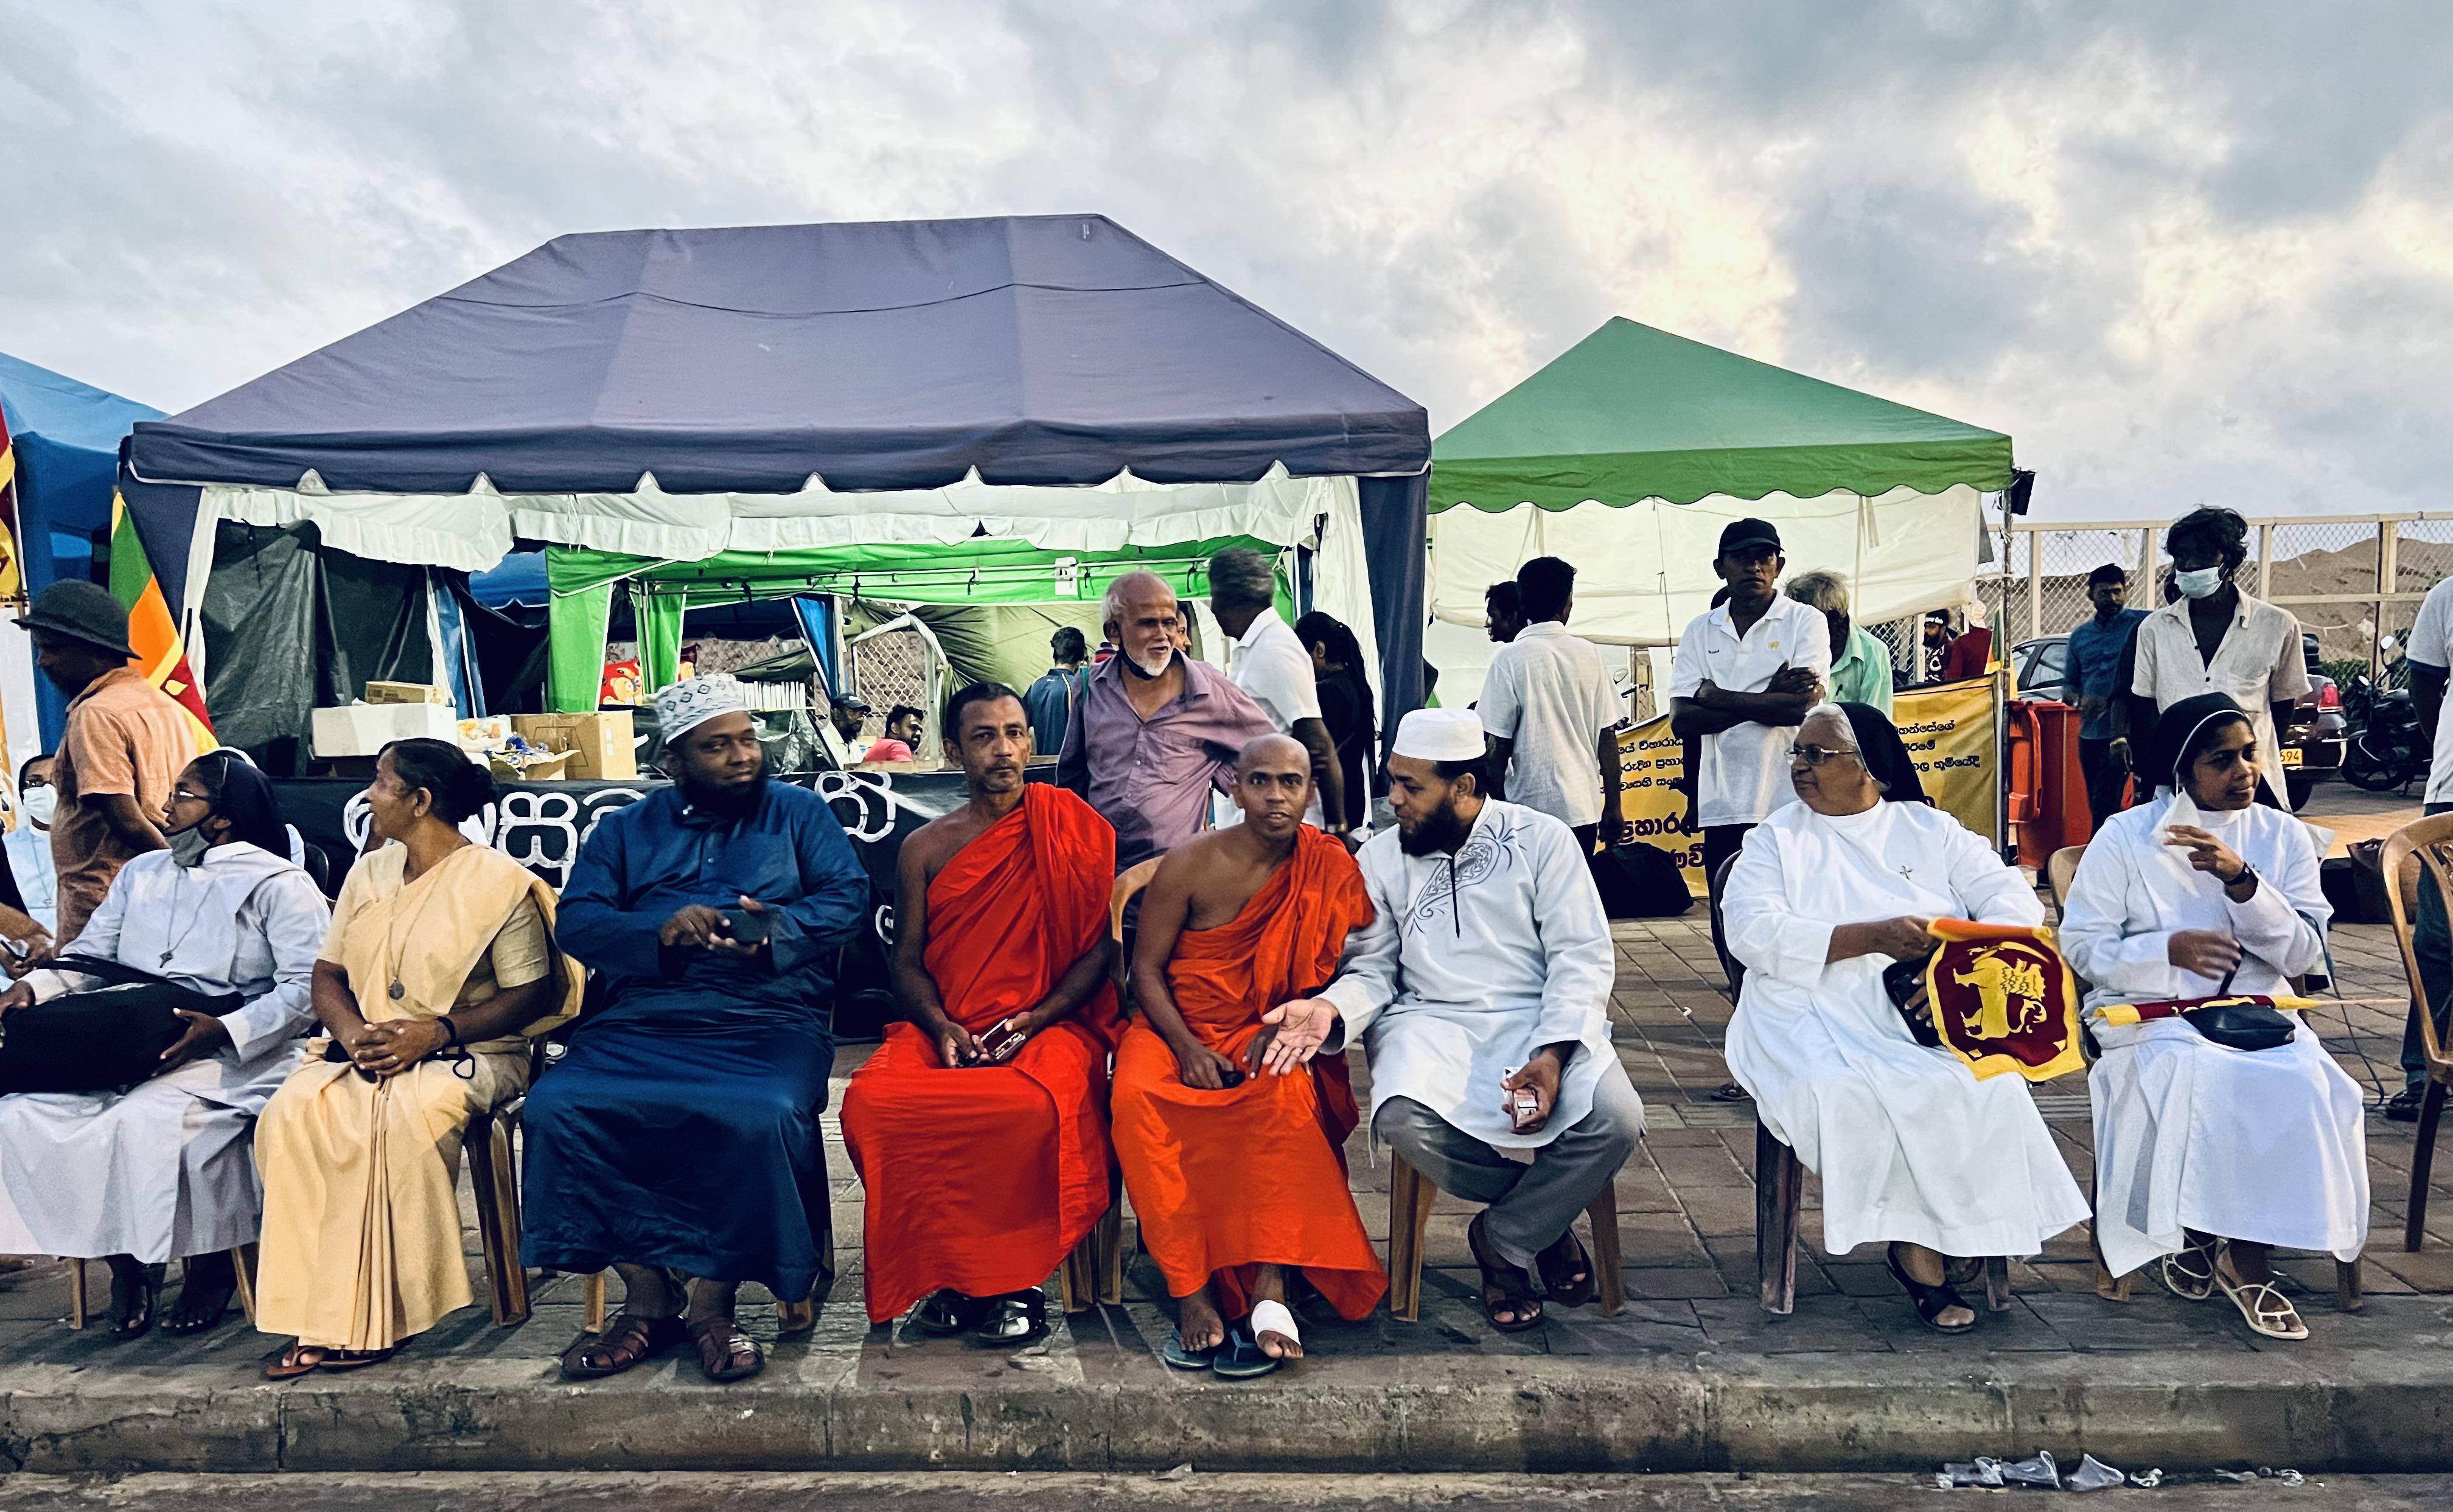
x=677, y=395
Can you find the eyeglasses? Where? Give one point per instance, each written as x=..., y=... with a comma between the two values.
x=1817, y=755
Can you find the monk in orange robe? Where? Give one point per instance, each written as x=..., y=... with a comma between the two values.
x=1238, y=1173
x=978, y=1128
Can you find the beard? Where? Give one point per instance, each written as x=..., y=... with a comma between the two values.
x=726, y=803
x=1152, y=670
x=1439, y=831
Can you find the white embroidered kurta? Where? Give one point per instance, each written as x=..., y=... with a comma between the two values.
x=1472, y=963
x=1910, y=1145
x=164, y=1170
x=2265, y=1146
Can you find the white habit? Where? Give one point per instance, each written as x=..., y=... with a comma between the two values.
x=166, y=1169
x=2265, y=1146
x=1910, y=1145
x=1471, y=962
x=38, y=880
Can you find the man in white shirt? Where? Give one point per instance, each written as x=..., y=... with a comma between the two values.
x=1552, y=710
x=1270, y=665
x=1745, y=676
x=2216, y=639
x=2430, y=656
x=30, y=845
x=1481, y=987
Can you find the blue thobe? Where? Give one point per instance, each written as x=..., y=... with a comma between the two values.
x=681, y=1128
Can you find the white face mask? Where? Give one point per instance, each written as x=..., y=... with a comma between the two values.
x=40, y=804
x=2199, y=583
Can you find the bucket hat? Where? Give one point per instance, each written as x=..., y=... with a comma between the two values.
x=83, y=610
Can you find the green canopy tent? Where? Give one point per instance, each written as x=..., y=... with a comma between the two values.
x=1628, y=453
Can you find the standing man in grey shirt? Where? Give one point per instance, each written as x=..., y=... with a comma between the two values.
x=1551, y=711
x=1158, y=732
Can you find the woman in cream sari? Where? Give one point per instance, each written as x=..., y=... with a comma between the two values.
x=439, y=970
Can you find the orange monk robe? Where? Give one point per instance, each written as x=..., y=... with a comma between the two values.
x=1251, y=1175
x=984, y=1178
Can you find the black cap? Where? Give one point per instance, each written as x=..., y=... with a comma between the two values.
x=81, y=610
x=850, y=701
x=1737, y=535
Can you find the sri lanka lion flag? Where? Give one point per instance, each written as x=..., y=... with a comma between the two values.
x=12, y=570
x=2002, y=999
x=153, y=632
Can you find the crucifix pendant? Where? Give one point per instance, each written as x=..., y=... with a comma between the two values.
x=398, y=991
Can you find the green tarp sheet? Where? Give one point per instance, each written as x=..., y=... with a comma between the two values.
x=1632, y=413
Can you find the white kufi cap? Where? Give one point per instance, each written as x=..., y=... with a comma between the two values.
x=684, y=706
x=1440, y=735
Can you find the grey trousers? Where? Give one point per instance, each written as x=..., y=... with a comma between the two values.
x=1529, y=1205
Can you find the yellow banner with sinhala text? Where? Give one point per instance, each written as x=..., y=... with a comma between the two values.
x=1953, y=733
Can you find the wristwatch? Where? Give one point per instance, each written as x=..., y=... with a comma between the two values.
x=2247, y=874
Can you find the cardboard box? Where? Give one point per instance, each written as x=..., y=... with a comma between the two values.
x=407, y=693
x=365, y=730
x=602, y=747
x=536, y=769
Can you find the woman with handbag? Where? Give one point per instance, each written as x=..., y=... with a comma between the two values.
x=135, y=1064
x=2218, y=1135
x=439, y=970
x=1913, y=1150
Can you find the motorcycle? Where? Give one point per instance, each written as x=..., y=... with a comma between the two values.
x=2389, y=750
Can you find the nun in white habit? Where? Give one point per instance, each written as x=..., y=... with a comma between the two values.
x=1912, y=1147
x=2206, y=1157
x=163, y=1168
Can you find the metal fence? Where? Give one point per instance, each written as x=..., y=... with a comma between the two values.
x=2350, y=579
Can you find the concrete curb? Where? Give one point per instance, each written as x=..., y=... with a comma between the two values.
x=2336, y=1411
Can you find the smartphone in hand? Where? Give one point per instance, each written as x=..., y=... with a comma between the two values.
x=999, y=1044
x=744, y=928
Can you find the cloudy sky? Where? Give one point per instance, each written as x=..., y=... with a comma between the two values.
x=2182, y=252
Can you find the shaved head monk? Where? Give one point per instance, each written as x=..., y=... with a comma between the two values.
x=977, y=1129
x=1238, y=1173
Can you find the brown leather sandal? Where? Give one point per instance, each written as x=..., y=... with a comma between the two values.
x=1503, y=1286
x=725, y=1353
x=631, y=1341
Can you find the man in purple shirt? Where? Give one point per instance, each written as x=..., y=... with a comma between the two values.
x=1158, y=732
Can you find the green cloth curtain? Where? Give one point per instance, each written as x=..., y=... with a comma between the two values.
x=1632, y=413
x=978, y=572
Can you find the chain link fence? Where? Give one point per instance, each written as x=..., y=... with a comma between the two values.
x=2351, y=579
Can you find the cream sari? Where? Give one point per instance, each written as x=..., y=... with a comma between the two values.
x=362, y=1242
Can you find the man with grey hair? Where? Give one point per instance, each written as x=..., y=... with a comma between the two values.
x=1861, y=664
x=1158, y=731
x=1269, y=664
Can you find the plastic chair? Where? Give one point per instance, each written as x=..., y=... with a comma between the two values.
x=1412, y=1196
x=1780, y=1190
x=242, y=1261
x=2431, y=841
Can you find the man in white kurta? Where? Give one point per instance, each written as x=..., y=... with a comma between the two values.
x=1910, y=1145
x=2268, y=1147
x=164, y=1169
x=1481, y=961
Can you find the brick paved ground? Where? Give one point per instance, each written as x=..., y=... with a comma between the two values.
x=1687, y=1217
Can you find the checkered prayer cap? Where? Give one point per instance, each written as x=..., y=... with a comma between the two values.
x=694, y=701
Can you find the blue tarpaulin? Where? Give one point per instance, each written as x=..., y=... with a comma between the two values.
x=66, y=437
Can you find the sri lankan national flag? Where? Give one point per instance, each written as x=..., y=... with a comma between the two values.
x=152, y=630
x=12, y=571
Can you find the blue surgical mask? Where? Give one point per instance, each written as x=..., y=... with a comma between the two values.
x=2199, y=583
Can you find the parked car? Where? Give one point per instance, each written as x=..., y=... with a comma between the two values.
x=2313, y=745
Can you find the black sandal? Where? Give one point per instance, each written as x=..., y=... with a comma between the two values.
x=1503, y=1286
x=1559, y=1264
x=203, y=1300
x=1011, y=1321
x=1931, y=1302
x=630, y=1342
x=135, y=1306
x=945, y=1313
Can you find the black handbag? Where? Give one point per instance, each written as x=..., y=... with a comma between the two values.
x=100, y=1039
x=1904, y=981
x=2242, y=1026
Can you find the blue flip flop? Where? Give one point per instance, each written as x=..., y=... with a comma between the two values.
x=1241, y=1358
x=1183, y=1358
